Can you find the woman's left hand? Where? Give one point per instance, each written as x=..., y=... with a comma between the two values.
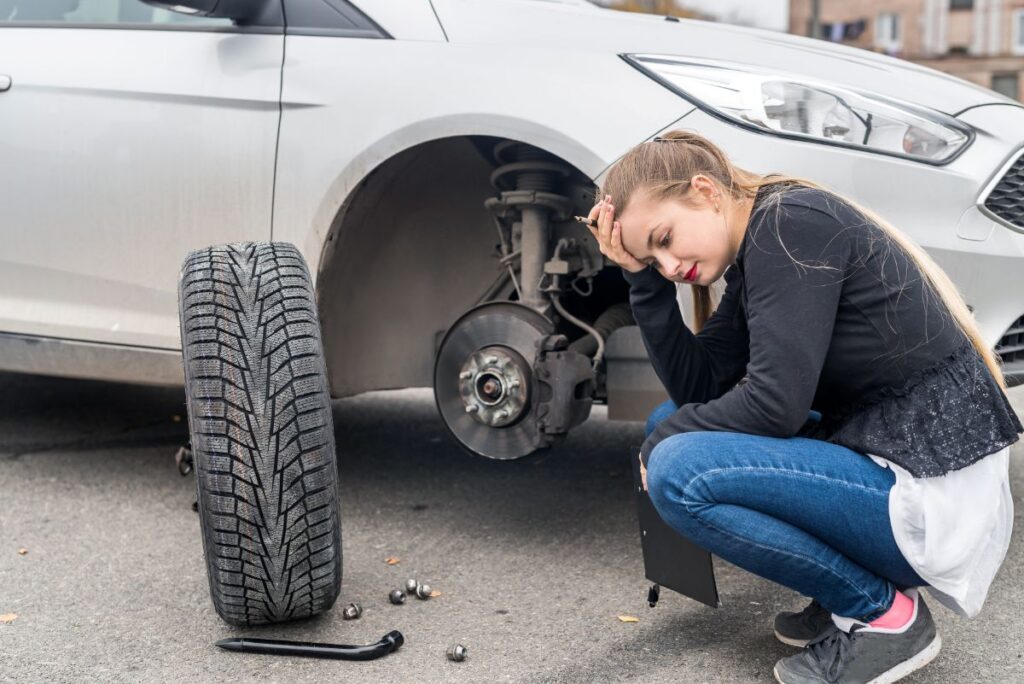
x=609, y=236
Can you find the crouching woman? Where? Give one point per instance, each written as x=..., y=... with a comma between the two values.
x=837, y=424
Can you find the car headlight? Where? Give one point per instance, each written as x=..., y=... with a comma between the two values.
x=796, y=107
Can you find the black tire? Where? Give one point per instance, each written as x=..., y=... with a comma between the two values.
x=262, y=434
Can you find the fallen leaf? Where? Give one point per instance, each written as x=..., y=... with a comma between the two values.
x=8, y=618
x=434, y=592
x=392, y=560
x=628, y=618
x=22, y=551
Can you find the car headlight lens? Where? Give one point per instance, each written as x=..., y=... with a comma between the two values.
x=793, y=106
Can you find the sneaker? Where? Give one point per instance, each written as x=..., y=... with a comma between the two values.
x=865, y=655
x=797, y=629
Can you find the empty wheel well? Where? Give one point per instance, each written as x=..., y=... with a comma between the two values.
x=410, y=251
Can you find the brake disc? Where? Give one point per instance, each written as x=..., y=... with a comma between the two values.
x=483, y=379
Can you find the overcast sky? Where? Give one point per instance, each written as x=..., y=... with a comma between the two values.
x=770, y=14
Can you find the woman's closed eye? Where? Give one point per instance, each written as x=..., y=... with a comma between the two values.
x=664, y=242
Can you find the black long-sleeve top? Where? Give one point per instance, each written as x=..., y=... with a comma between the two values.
x=822, y=311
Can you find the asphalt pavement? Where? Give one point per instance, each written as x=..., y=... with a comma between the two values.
x=535, y=559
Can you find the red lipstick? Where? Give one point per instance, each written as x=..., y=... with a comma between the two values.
x=691, y=274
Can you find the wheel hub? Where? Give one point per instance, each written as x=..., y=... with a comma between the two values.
x=494, y=386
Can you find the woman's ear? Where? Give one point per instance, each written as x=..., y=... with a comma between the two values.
x=707, y=188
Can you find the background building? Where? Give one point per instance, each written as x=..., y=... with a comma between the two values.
x=978, y=40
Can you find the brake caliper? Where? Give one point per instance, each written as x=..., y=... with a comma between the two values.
x=565, y=380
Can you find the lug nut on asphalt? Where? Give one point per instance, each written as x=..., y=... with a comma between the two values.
x=423, y=591
x=456, y=652
x=410, y=586
x=352, y=611
x=397, y=597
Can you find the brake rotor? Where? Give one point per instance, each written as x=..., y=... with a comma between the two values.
x=483, y=379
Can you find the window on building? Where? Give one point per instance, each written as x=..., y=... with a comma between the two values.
x=961, y=4
x=1017, y=47
x=889, y=32
x=1006, y=84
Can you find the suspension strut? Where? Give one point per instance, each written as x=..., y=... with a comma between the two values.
x=526, y=179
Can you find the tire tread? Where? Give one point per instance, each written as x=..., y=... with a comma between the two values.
x=262, y=432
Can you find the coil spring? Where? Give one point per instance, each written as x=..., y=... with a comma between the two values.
x=524, y=167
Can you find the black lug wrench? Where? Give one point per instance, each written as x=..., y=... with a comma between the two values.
x=388, y=643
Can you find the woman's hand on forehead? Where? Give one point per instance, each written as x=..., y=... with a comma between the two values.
x=609, y=236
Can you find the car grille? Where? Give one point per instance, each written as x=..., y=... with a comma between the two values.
x=1007, y=198
x=1011, y=345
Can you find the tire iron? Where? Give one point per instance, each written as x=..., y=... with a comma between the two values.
x=389, y=643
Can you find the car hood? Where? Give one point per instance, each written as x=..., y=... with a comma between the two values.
x=578, y=25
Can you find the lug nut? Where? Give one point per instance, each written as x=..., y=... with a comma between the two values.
x=352, y=611
x=410, y=586
x=397, y=597
x=422, y=591
x=456, y=652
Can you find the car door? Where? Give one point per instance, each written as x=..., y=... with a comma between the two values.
x=129, y=135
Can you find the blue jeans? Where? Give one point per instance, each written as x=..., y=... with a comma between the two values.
x=808, y=514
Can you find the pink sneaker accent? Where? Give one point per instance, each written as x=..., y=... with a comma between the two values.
x=898, y=615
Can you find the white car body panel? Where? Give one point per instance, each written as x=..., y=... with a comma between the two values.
x=92, y=248
x=988, y=267
x=339, y=123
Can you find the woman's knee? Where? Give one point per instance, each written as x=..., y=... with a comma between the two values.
x=676, y=464
x=660, y=412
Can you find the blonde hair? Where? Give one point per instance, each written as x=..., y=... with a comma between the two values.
x=662, y=170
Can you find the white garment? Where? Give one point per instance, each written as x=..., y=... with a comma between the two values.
x=954, y=529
